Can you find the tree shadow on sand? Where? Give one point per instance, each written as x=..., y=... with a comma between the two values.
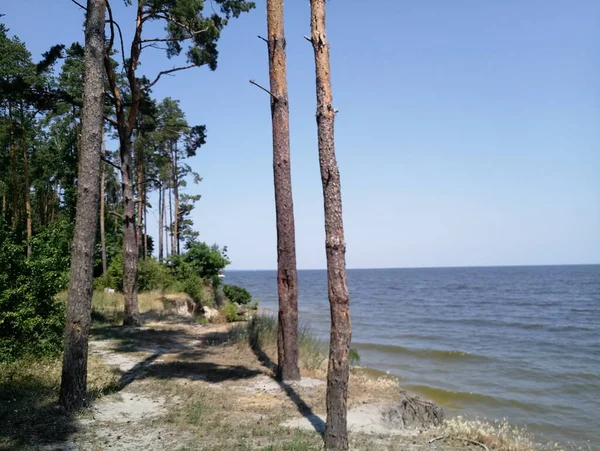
x=304, y=409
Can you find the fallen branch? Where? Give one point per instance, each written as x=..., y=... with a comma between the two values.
x=460, y=438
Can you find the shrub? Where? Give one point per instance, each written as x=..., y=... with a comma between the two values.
x=237, y=294
x=153, y=275
x=114, y=276
x=354, y=357
x=205, y=261
x=31, y=320
x=230, y=312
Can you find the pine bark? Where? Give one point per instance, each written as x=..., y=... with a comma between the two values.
x=175, y=166
x=74, y=370
x=102, y=212
x=170, y=224
x=161, y=215
x=130, y=242
x=139, y=163
x=145, y=211
x=13, y=170
x=27, y=192
x=125, y=127
x=336, y=433
x=287, y=276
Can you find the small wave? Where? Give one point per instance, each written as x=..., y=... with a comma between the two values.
x=458, y=399
x=435, y=354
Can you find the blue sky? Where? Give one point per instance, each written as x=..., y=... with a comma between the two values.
x=468, y=131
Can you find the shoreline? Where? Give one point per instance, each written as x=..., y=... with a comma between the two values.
x=450, y=401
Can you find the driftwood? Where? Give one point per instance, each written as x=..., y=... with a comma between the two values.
x=414, y=412
x=475, y=442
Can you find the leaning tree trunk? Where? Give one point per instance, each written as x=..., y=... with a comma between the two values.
x=336, y=434
x=287, y=276
x=77, y=327
x=130, y=242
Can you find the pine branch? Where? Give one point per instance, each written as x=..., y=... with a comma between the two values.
x=77, y=3
x=106, y=160
x=264, y=89
x=167, y=72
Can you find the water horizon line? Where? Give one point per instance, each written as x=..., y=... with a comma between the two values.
x=424, y=267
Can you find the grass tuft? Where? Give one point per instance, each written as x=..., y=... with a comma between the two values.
x=497, y=435
x=261, y=333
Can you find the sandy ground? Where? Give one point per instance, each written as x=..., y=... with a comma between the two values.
x=184, y=387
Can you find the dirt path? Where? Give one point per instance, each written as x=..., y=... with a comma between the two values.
x=187, y=387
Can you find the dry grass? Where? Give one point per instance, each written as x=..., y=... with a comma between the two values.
x=29, y=392
x=497, y=435
x=261, y=334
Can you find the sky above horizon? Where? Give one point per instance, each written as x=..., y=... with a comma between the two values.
x=467, y=134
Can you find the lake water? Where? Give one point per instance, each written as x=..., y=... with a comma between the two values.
x=521, y=343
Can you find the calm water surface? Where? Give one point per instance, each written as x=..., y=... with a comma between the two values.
x=521, y=343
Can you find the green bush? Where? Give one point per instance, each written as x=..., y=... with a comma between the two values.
x=208, y=260
x=152, y=275
x=354, y=357
x=195, y=273
x=237, y=294
x=114, y=273
x=31, y=320
x=230, y=312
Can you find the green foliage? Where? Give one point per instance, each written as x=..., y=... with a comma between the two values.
x=237, y=294
x=230, y=312
x=31, y=321
x=193, y=285
x=204, y=260
x=114, y=273
x=189, y=25
x=153, y=275
x=354, y=357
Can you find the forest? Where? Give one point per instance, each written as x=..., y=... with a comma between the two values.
x=40, y=135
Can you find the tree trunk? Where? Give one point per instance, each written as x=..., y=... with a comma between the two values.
x=336, y=434
x=170, y=224
x=77, y=327
x=287, y=276
x=13, y=167
x=102, y=211
x=176, y=202
x=125, y=126
x=130, y=242
x=139, y=165
x=161, y=213
x=145, y=211
x=27, y=191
